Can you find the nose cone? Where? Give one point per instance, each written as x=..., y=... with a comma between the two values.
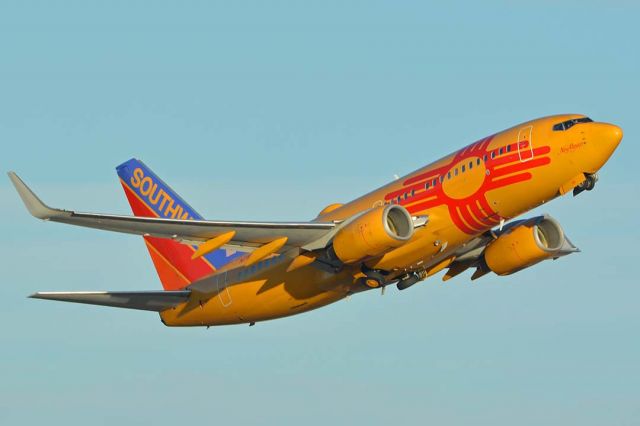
x=612, y=135
x=604, y=138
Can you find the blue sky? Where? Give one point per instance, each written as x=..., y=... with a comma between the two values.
x=271, y=110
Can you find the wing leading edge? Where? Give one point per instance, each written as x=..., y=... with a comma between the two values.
x=247, y=234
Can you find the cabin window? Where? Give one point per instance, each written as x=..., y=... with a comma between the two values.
x=508, y=148
x=399, y=199
x=463, y=168
x=449, y=175
x=455, y=171
x=434, y=183
x=485, y=158
x=441, y=178
x=493, y=154
x=406, y=195
x=426, y=186
x=470, y=165
x=501, y=151
x=413, y=192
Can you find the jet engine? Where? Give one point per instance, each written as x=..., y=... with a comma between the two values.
x=526, y=243
x=373, y=233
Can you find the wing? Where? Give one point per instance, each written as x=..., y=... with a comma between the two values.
x=247, y=235
x=156, y=301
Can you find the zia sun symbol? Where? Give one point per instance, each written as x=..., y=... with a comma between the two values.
x=462, y=184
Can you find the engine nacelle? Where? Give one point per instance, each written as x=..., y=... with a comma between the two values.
x=526, y=243
x=373, y=233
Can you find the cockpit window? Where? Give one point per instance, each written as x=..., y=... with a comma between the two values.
x=566, y=125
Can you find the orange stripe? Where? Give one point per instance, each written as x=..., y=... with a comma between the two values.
x=157, y=215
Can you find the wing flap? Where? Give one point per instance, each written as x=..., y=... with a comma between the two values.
x=247, y=234
x=156, y=301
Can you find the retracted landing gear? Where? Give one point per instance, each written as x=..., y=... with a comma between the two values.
x=588, y=184
x=378, y=279
x=372, y=278
x=410, y=279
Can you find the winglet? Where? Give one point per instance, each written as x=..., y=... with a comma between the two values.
x=31, y=201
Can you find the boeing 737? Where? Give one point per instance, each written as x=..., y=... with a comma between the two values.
x=454, y=214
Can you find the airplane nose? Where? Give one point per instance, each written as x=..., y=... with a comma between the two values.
x=615, y=134
x=609, y=135
x=604, y=139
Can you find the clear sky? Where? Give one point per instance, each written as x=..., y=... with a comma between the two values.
x=272, y=110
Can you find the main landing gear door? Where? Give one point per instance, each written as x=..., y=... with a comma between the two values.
x=525, y=144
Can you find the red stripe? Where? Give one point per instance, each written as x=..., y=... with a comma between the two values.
x=428, y=175
x=170, y=278
x=471, y=221
x=543, y=150
x=400, y=192
x=484, y=204
x=519, y=167
x=511, y=158
x=476, y=146
x=421, y=196
x=477, y=211
x=510, y=180
x=179, y=255
x=465, y=150
x=457, y=220
x=485, y=144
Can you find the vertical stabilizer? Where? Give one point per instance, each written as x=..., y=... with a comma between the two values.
x=149, y=196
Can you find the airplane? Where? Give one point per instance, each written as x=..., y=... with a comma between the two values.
x=454, y=214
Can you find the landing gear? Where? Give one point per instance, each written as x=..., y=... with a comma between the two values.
x=373, y=279
x=410, y=279
x=407, y=281
x=588, y=184
x=378, y=279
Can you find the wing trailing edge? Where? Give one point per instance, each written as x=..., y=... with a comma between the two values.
x=247, y=234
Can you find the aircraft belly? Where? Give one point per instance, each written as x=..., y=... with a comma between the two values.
x=263, y=299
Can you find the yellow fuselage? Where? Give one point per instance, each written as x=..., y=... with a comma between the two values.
x=463, y=194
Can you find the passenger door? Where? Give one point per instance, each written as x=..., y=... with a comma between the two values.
x=525, y=144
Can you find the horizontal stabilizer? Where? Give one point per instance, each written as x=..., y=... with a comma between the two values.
x=156, y=301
